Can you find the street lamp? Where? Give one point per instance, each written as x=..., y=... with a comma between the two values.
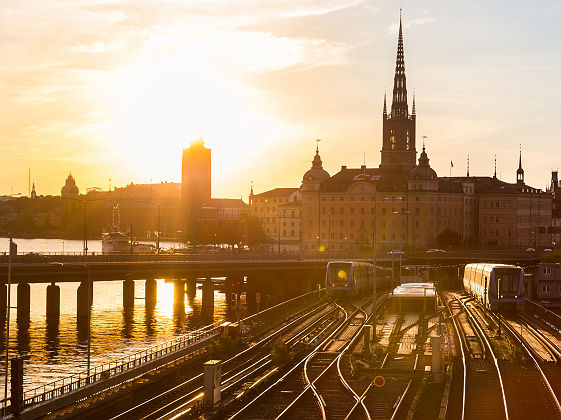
x=84, y=202
x=393, y=198
x=400, y=241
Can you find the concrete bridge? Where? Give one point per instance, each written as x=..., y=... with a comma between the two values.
x=276, y=277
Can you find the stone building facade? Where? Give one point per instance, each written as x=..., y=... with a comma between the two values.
x=403, y=203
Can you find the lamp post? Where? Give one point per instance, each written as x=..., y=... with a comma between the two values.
x=393, y=198
x=375, y=178
x=159, y=205
x=85, y=226
x=400, y=240
x=499, y=295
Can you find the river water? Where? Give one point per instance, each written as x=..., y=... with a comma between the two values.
x=53, y=351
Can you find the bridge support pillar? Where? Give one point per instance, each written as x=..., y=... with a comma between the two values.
x=191, y=287
x=53, y=301
x=178, y=293
x=23, y=293
x=151, y=292
x=128, y=293
x=208, y=298
x=82, y=300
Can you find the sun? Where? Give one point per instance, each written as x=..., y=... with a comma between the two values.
x=164, y=98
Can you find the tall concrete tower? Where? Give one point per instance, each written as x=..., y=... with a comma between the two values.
x=195, y=185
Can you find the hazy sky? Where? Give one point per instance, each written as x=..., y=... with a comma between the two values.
x=115, y=89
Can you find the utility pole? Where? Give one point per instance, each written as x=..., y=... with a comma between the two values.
x=85, y=242
x=12, y=253
x=158, y=233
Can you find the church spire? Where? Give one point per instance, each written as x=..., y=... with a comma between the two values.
x=520, y=171
x=385, y=110
x=413, y=107
x=400, y=108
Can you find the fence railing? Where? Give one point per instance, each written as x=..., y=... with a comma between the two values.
x=263, y=319
x=546, y=315
x=249, y=325
x=226, y=256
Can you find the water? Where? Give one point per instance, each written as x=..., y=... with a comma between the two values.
x=63, y=245
x=54, y=351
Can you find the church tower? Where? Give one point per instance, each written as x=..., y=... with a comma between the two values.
x=398, y=146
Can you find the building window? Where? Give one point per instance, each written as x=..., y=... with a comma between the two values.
x=383, y=236
x=342, y=223
x=547, y=270
x=362, y=210
x=416, y=211
x=323, y=223
x=546, y=288
x=352, y=223
x=352, y=210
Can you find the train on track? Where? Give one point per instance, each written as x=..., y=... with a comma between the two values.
x=487, y=282
x=350, y=278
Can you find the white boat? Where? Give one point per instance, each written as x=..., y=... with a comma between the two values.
x=115, y=241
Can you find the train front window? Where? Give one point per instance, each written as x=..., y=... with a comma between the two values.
x=509, y=280
x=340, y=273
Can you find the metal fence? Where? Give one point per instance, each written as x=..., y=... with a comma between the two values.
x=226, y=256
x=248, y=326
x=108, y=370
x=546, y=315
x=275, y=314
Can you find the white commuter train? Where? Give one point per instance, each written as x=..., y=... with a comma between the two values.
x=350, y=278
x=485, y=281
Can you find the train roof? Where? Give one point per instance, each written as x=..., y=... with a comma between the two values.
x=494, y=265
x=349, y=262
x=414, y=290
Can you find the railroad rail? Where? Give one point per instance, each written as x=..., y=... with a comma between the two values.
x=480, y=388
x=65, y=391
x=295, y=396
x=241, y=366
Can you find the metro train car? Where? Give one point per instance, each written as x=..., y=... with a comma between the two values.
x=485, y=281
x=348, y=278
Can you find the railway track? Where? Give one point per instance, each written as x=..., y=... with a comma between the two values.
x=316, y=386
x=187, y=395
x=500, y=373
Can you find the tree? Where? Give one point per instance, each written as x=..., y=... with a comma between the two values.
x=449, y=237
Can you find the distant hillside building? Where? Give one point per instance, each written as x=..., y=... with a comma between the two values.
x=70, y=189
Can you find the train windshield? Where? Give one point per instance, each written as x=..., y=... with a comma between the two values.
x=340, y=273
x=509, y=279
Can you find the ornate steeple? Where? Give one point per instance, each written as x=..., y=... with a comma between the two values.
x=413, y=112
x=520, y=171
x=385, y=109
x=400, y=108
x=398, y=148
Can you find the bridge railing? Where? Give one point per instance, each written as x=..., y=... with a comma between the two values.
x=546, y=315
x=263, y=319
x=249, y=325
x=46, y=258
x=105, y=371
